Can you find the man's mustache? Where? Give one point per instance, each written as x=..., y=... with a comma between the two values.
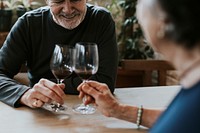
x=69, y=15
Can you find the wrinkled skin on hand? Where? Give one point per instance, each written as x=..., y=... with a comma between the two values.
x=44, y=91
x=100, y=94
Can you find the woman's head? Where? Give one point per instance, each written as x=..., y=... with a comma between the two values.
x=173, y=20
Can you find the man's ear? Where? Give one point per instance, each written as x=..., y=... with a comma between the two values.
x=165, y=27
x=161, y=30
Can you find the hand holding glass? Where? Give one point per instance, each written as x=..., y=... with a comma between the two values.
x=61, y=65
x=86, y=62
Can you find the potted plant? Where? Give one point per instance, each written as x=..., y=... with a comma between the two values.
x=131, y=42
x=10, y=10
x=22, y=6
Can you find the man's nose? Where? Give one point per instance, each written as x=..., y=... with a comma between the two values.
x=67, y=7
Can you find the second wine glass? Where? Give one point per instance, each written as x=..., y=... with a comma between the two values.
x=61, y=65
x=85, y=65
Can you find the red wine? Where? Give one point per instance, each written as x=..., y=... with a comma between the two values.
x=61, y=73
x=84, y=74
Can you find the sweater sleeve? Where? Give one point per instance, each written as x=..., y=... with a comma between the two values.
x=12, y=56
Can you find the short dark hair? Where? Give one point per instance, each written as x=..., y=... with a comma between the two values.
x=184, y=15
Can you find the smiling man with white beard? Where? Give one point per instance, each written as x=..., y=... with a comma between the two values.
x=32, y=40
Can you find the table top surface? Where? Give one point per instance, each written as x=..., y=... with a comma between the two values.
x=24, y=119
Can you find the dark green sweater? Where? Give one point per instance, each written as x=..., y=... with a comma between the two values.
x=32, y=40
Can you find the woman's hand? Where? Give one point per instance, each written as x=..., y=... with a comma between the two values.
x=103, y=98
x=44, y=91
x=88, y=99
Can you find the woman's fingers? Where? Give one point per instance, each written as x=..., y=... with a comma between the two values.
x=81, y=94
x=89, y=99
x=101, y=87
x=80, y=86
x=93, y=88
x=90, y=91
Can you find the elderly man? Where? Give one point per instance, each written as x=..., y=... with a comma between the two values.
x=32, y=40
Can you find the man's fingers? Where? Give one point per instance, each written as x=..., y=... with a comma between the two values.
x=62, y=86
x=42, y=97
x=54, y=87
x=37, y=103
x=48, y=93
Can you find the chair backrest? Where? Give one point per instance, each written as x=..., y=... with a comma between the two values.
x=148, y=67
x=3, y=36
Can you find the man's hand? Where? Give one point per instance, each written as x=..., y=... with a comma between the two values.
x=44, y=91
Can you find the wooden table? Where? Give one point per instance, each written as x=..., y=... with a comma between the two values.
x=27, y=120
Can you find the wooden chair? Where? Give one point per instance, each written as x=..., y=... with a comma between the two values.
x=3, y=36
x=148, y=67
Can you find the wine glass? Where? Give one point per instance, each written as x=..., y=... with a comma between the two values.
x=61, y=65
x=86, y=62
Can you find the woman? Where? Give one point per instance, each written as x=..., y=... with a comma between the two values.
x=173, y=29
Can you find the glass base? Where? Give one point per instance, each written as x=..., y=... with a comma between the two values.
x=84, y=109
x=55, y=108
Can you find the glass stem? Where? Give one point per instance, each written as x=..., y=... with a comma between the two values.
x=58, y=81
x=85, y=97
